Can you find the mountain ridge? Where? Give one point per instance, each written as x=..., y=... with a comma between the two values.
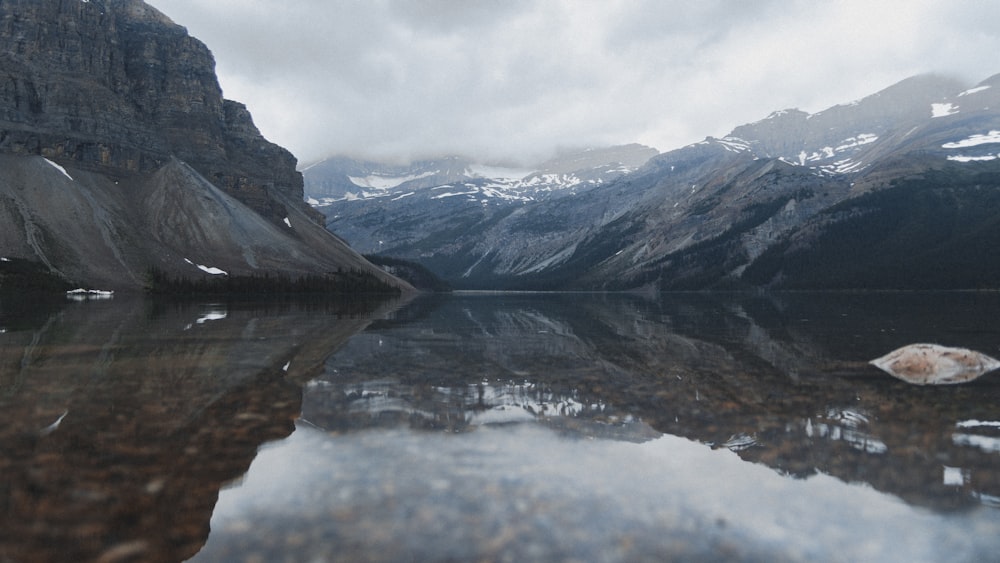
x=340, y=177
x=700, y=216
x=116, y=86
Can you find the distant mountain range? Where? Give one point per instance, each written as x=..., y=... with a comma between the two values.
x=898, y=190
x=339, y=179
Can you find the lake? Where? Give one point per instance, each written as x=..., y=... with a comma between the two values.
x=496, y=427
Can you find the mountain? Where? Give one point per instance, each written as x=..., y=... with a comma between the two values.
x=342, y=178
x=896, y=190
x=121, y=156
x=414, y=209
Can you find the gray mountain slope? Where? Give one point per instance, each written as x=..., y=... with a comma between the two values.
x=160, y=170
x=106, y=234
x=779, y=189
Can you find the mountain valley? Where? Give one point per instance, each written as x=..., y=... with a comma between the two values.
x=880, y=191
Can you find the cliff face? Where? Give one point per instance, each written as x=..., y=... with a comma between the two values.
x=115, y=86
x=119, y=156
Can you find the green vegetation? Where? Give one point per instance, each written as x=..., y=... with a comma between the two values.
x=339, y=283
x=418, y=275
x=938, y=231
x=24, y=276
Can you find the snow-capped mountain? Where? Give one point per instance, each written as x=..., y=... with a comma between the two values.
x=415, y=209
x=847, y=138
x=340, y=178
x=906, y=176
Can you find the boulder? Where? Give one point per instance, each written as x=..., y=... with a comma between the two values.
x=933, y=364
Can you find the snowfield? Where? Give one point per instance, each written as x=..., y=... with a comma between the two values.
x=208, y=269
x=943, y=110
x=974, y=140
x=59, y=168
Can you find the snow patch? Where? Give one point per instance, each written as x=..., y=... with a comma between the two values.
x=974, y=90
x=497, y=172
x=826, y=153
x=845, y=166
x=977, y=423
x=734, y=144
x=399, y=197
x=848, y=434
x=52, y=427
x=974, y=140
x=953, y=476
x=211, y=315
x=988, y=444
x=615, y=169
x=59, y=168
x=380, y=182
x=857, y=141
x=209, y=269
x=943, y=110
x=451, y=194
x=561, y=180
x=3, y=259
x=85, y=294
x=964, y=158
x=287, y=222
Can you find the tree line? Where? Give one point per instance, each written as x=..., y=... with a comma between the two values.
x=342, y=282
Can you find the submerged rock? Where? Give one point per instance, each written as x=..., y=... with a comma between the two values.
x=932, y=364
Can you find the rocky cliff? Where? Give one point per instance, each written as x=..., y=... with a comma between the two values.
x=148, y=166
x=115, y=86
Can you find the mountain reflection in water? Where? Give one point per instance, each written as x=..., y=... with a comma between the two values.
x=507, y=427
x=121, y=420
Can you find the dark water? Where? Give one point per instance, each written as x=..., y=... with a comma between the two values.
x=496, y=427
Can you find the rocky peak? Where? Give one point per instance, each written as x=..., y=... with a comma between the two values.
x=116, y=87
x=139, y=11
x=790, y=132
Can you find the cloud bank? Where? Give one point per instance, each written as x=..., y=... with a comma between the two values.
x=516, y=80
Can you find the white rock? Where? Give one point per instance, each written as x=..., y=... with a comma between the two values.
x=932, y=364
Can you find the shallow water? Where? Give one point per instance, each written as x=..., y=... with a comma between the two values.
x=502, y=427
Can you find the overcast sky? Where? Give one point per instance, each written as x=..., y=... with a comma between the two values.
x=516, y=80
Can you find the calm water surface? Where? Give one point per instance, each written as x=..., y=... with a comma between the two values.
x=505, y=427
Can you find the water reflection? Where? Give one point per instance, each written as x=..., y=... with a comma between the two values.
x=497, y=427
x=121, y=420
x=389, y=404
x=783, y=381
x=522, y=493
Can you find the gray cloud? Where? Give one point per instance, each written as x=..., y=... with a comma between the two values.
x=516, y=80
